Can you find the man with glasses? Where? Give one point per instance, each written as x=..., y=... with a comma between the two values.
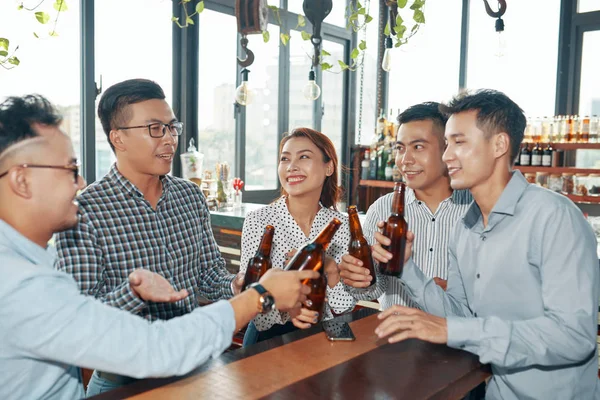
x=48, y=327
x=139, y=216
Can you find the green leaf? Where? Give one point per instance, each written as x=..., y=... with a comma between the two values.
x=200, y=7
x=419, y=17
x=417, y=4
x=36, y=35
x=60, y=5
x=174, y=19
x=285, y=38
x=362, y=45
x=400, y=29
x=14, y=61
x=368, y=19
x=186, y=1
x=343, y=65
x=266, y=36
x=354, y=54
x=53, y=33
x=414, y=28
x=4, y=42
x=305, y=35
x=189, y=21
x=386, y=30
x=325, y=66
x=42, y=17
x=353, y=17
x=399, y=20
x=402, y=3
x=3, y=53
x=358, y=5
x=362, y=11
x=301, y=20
x=398, y=44
x=20, y=7
x=324, y=53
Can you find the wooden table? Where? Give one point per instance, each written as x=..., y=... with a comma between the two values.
x=305, y=364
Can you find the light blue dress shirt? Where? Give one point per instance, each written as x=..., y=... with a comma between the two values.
x=522, y=294
x=47, y=328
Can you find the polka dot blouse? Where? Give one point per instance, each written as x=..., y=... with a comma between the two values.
x=288, y=236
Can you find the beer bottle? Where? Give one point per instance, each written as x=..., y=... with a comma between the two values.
x=358, y=247
x=312, y=256
x=261, y=262
x=395, y=229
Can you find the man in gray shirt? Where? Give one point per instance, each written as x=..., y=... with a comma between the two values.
x=523, y=270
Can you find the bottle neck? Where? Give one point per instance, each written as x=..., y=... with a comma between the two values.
x=267, y=241
x=327, y=233
x=398, y=200
x=355, y=228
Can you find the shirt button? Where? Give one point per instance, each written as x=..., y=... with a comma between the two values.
x=431, y=249
x=419, y=203
x=483, y=237
x=478, y=276
x=475, y=314
x=432, y=219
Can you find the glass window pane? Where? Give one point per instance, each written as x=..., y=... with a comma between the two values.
x=588, y=5
x=527, y=71
x=301, y=110
x=337, y=16
x=58, y=79
x=365, y=120
x=427, y=67
x=118, y=60
x=332, y=90
x=216, y=88
x=589, y=89
x=261, y=115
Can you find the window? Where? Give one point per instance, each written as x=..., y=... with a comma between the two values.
x=332, y=90
x=427, y=67
x=49, y=65
x=216, y=87
x=527, y=71
x=261, y=115
x=301, y=112
x=149, y=27
x=366, y=89
x=337, y=16
x=589, y=89
x=588, y=5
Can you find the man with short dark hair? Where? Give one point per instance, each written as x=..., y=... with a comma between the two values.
x=432, y=207
x=523, y=270
x=48, y=327
x=139, y=216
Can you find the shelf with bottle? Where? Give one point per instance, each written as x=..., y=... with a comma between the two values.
x=569, y=129
x=376, y=183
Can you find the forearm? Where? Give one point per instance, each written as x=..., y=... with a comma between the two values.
x=245, y=307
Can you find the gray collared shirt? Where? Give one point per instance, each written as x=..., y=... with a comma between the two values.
x=522, y=294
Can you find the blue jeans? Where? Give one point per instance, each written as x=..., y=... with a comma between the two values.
x=100, y=384
x=253, y=335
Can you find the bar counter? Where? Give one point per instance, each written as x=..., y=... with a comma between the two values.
x=304, y=364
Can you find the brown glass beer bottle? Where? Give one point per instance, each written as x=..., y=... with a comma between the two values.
x=358, y=247
x=395, y=229
x=261, y=262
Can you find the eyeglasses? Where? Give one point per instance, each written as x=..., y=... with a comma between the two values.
x=158, y=129
x=72, y=167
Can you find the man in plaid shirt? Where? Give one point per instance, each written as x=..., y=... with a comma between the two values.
x=137, y=216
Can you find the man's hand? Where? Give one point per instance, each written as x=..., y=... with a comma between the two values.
x=410, y=323
x=352, y=272
x=238, y=282
x=384, y=256
x=304, y=318
x=287, y=288
x=151, y=286
x=441, y=282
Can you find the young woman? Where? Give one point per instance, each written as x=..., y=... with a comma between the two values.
x=308, y=172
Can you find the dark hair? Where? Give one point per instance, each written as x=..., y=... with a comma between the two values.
x=331, y=192
x=112, y=108
x=18, y=114
x=428, y=111
x=496, y=113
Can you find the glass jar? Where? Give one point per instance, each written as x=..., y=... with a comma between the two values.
x=555, y=182
x=593, y=185
x=530, y=176
x=579, y=188
x=541, y=179
x=567, y=183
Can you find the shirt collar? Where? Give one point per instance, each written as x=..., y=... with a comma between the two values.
x=13, y=239
x=506, y=204
x=457, y=197
x=116, y=177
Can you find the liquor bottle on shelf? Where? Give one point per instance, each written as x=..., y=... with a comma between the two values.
x=547, y=156
x=525, y=157
x=536, y=156
x=364, y=165
x=585, y=129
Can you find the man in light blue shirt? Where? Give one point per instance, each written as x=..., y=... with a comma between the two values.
x=48, y=328
x=523, y=281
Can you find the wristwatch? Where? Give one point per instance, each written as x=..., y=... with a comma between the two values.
x=266, y=302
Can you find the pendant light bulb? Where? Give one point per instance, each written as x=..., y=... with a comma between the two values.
x=243, y=94
x=386, y=63
x=311, y=90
